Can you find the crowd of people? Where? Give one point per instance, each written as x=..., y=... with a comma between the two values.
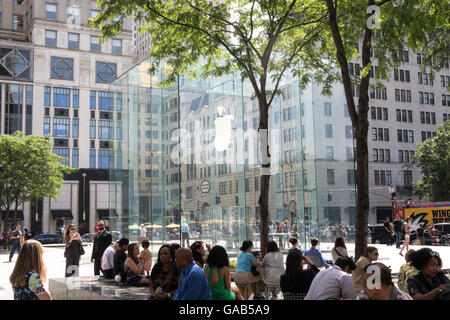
x=188, y=273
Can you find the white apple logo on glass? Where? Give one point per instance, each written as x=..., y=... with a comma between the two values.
x=223, y=130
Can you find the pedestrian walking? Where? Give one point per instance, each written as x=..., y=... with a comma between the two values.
x=16, y=240
x=279, y=232
x=397, y=226
x=406, y=230
x=184, y=234
x=29, y=273
x=387, y=231
x=102, y=240
x=420, y=232
x=73, y=251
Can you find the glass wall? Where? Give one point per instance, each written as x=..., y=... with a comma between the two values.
x=190, y=161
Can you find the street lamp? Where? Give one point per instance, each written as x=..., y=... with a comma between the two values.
x=84, y=195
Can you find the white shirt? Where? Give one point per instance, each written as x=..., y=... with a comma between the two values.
x=108, y=258
x=273, y=260
x=331, y=284
x=143, y=232
x=337, y=253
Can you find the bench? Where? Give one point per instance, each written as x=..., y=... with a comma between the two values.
x=95, y=288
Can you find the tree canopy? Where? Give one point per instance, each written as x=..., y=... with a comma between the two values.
x=433, y=158
x=28, y=170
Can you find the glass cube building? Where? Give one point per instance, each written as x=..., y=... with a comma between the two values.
x=189, y=156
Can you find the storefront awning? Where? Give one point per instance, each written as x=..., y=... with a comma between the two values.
x=60, y=214
x=11, y=215
x=107, y=213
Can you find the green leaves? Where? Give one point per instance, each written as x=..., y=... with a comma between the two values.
x=433, y=157
x=28, y=169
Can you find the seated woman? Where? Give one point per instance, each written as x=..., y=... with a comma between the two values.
x=198, y=252
x=339, y=250
x=134, y=272
x=297, y=280
x=430, y=283
x=165, y=278
x=273, y=264
x=219, y=277
x=243, y=274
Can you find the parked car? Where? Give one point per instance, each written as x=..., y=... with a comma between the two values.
x=88, y=237
x=46, y=238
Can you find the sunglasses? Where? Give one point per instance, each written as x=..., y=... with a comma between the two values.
x=434, y=254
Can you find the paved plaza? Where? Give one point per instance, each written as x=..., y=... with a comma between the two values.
x=55, y=261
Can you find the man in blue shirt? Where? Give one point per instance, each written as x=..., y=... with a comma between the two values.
x=193, y=283
x=315, y=255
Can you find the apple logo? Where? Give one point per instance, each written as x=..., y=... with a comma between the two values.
x=223, y=125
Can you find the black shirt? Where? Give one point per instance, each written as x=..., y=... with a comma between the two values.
x=15, y=234
x=119, y=262
x=420, y=232
x=387, y=226
x=301, y=283
x=397, y=225
x=418, y=284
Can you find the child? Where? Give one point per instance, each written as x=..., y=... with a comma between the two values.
x=146, y=257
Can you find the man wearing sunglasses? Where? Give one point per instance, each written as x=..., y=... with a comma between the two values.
x=102, y=240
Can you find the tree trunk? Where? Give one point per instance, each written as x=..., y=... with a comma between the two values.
x=265, y=172
x=362, y=182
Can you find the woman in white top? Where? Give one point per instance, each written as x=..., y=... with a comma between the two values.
x=339, y=250
x=273, y=264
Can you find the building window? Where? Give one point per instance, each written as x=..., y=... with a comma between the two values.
x=61, y=68
x=119, y=130
x=50, y=11
x=330, y=176
x=116, y=45
x=105, y=129
x=119, y=161
x=94, y=13
x=106, y=101
x=50, y=38
x=92, y=129
x=92, y=99
x=95, y=44
x=46, y=126
x=105, y=72
x=92, y=158
x=327, y=107
x=328, y=130
x=75, y=158
x=329, y=153
x=105, y=159
x=348, y=132
x=73, y=15
x=375, y=155
x=61, y=97
x=118, y=101
x=75, y=124
x=76, y=95
x=73, y=41
x=17, y=21
x=61, y=127
x=47, y=95
x=63, y=152
x=350, y=176
x=377, y=177
x=407, y=178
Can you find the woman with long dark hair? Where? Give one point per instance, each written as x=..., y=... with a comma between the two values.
x=133, y=270
x=165, y=278
x=339, y=250
x=243, y=275
x=74, y=249
x=296, y=280
x=198, y=252
x=220, y=281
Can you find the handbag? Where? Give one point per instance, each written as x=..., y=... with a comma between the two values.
x=81, y=249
